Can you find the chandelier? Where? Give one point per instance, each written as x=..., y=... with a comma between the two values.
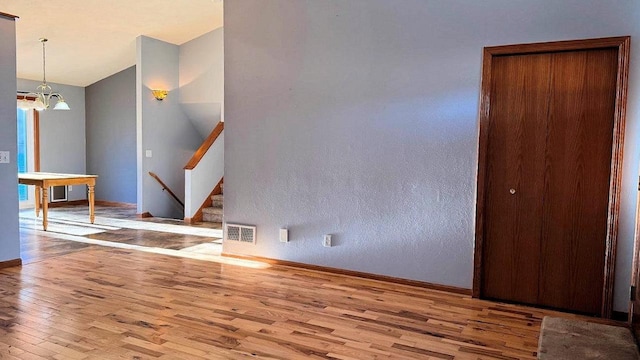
x=41, y=99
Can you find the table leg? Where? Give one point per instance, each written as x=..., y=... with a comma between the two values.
x=91, y=205
x=37, y=200
x=45, y=206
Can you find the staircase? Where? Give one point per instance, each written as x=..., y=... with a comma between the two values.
x=213, y=213
x=206, y=165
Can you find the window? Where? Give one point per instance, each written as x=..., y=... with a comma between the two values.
x=27, y=157
x=23, y=151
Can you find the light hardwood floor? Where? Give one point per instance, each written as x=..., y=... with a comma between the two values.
x=93, y=302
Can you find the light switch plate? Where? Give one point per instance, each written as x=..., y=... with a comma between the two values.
x=148, y=153
x=4, y=157
x=284, y=235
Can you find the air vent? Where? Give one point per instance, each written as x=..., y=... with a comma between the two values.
x=58, y=193
x=240, y=233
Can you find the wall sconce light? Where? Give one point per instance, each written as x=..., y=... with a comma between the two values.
x=160, y=94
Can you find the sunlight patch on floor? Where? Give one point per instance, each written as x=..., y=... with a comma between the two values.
x=176, y=229
x=74, y=226
x=114, y=224
x=207, y=248
x=212, y=257
x=61, y=227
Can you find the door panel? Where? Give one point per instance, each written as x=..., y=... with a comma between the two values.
x=547, y=177
x=515, y=159
x=577, y=177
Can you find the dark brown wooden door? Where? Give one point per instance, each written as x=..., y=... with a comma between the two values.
x=548, y=167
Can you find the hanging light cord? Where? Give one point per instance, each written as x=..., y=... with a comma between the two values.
x=44, y=62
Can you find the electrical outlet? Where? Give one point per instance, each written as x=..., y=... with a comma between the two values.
x=70, y=188
x=284, y=235
x=326, y=242
x=4, y=157
x=148, y=153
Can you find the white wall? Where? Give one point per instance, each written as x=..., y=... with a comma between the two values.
x=161, y=127
x=359, y=119
x=200, y=181
x=202, y=80
x=9, y=234
x=62, y=135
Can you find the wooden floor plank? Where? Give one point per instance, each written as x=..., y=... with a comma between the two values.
x=156, y=306
x=92, y=302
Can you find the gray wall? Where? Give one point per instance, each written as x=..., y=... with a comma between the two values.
x=202, y=80
x=161, y=127
x=111, y=135
x=359, y=119
x=62, y=135
x=9, y=233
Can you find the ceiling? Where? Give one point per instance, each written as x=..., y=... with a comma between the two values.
x=91, y=39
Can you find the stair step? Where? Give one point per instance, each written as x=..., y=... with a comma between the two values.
x=212, y=214
x=212, y=218
x=212, y=210
x=217, y=200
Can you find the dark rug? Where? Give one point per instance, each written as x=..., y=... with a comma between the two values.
x=562, y=339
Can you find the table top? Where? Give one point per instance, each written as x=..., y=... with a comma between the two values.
x=52, y=176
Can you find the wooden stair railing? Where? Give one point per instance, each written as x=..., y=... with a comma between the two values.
x=206, y=144
x=165, y=187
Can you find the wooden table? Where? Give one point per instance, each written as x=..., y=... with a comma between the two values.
x=43, y=181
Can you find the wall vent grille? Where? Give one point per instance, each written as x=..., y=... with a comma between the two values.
x=240, y=233
x=58, y=193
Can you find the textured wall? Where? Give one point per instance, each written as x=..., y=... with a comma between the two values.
x=161, y=127
x=62, y=135
x=111, y=135
x=359, y=119
x=9, y=235
x=202, y=80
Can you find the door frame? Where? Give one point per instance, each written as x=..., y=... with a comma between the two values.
x=621, y=44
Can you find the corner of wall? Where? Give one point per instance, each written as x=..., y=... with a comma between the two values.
x=9, y=223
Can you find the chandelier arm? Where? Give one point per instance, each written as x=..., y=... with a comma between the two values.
x=27, y=95
x=58, y=95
